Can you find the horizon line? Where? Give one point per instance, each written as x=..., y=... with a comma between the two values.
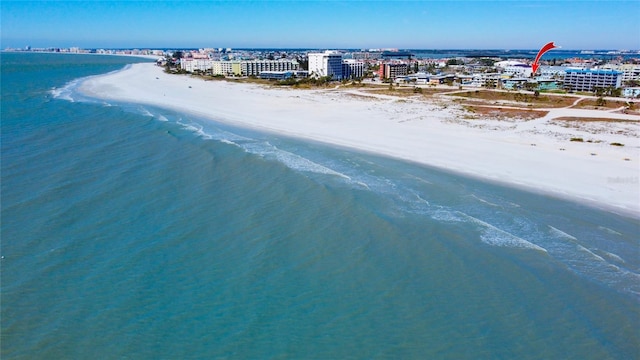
x=309, y=48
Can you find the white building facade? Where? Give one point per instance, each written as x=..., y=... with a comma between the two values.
x=629, y=71
x=328, y=63
x=237, y=68
x=255, y=67
x=518, y=70
x=193, y=65
x=589, y=80
x=352, y=69
x=551, y=72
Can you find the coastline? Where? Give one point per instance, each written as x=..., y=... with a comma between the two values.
x=535, y=154
x=148, y=57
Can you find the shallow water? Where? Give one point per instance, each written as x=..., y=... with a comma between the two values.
x=132, y=231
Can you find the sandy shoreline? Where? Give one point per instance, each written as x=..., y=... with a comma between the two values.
x=535, y=154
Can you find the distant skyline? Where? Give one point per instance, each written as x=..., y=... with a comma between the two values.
x=586, y=25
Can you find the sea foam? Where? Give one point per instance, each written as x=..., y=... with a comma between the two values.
x=494, y=236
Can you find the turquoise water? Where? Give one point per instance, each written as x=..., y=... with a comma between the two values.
x=136, y=232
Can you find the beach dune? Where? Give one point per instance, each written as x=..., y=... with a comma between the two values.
x=536, y=154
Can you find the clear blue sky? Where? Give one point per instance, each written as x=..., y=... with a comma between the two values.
x=322, y=24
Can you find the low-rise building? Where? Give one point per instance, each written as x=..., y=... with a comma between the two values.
x=419, y=78
x=549, y=84
x=515, y=83
x=631, y=92
x=551, y=72
x=283, y=75
x=518, y=71
x=442, y=79
x=488, y=80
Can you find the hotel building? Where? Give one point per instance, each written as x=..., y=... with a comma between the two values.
x=192, y=65
x=588, y=80
x=352, y=69
x=392, y=71
x=630, y=72
x=255, y=67
x=237, y=68
x=226, y=68
x=328, y=63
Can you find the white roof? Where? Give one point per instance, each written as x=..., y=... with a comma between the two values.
x=506, y=63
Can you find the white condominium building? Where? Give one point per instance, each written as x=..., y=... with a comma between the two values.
x=237, y=68
x=551, y=72
x=328, y=63
x=191, y=65
x=518, y=70
x=629, y=71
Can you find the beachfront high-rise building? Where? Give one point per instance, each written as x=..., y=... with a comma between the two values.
x=192, y=65
x=352, y=69
x=630, y=72
x=238, y=68
x=392, y=71
x=590, y=79
x=255, y=67
x=226, y=68
x=328, y=63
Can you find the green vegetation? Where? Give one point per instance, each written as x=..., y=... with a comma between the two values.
x=632, y=83
x=540, y=101
x=490, y=84
x=608, y=91
x=520, y=97
x=577, y=139
x=305, y=82
x=431, y=68
x=617, y=144
x=174, y=70
x=454, y=62
x=486, y=62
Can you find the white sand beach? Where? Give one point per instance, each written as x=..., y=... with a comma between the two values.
x=536, y=154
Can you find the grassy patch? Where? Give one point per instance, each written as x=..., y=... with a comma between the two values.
x=589, y=119
x=503, y=113
x=593, y=104
x=535, y=101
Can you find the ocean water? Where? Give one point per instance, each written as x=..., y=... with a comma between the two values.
x=137, y=232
